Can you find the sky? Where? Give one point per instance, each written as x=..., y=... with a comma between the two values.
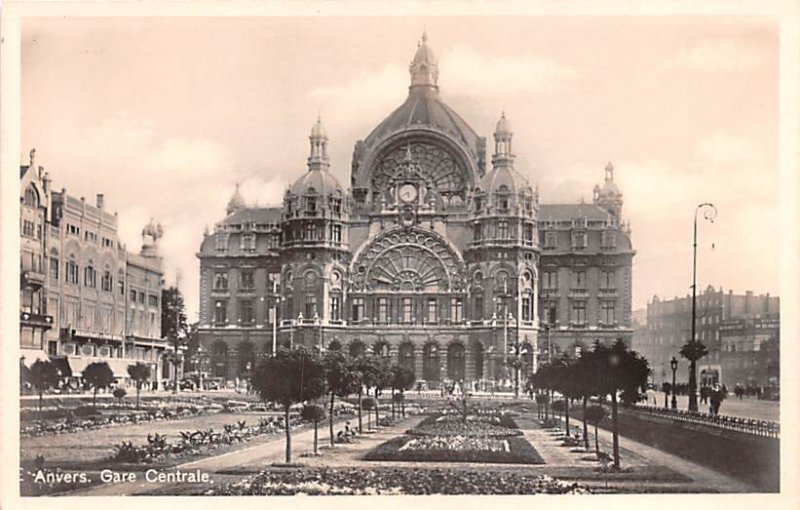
x=165, y=115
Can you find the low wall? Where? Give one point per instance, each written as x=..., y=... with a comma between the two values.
x=747, y=457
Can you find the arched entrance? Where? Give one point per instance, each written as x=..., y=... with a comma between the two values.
x=219, y=359
x=430, y=362
x=381, y=348
x=406, y=356
x=478, y=358
x=456, y=362
x=357, y=348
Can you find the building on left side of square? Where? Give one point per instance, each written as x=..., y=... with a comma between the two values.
x=83, y=297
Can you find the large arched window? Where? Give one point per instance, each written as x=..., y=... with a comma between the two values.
x=430, y=362
x=107, y=282
x=456, y=362
x=406, y=356
x=72, y=270
x=90, y=275
x=31, y=197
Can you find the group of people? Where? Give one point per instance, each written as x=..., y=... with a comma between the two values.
x=713, y=395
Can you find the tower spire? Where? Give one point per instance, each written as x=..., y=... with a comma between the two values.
x=424, y=68
x=318, y=156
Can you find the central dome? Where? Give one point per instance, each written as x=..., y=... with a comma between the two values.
x=424, y=108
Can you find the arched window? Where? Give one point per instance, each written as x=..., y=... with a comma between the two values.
x=31, y=197
x=72, y=270
x=90, y=275
x=107, y=283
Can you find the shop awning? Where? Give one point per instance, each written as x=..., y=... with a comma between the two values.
x=31, y=356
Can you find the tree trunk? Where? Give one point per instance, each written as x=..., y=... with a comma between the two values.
x=315, y=436
x=330, y=420
x=596, y=443
x=393, y=414
x=369, y=419
x=692, y=386
x=403, y=403
x=288, y=435
x=585, y=426
x=615, y=427
x=566, y=414
x=138, y=390
x=377, y=421
x=94, y=398
x=40, y=402
x=360, y=428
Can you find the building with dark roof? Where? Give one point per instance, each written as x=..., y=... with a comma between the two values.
x=429, y=258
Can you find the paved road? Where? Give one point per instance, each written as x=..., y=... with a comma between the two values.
x=732, y=406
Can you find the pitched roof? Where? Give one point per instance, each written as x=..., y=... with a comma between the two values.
x=554, y=212
x=255, y=215
x=23, y=170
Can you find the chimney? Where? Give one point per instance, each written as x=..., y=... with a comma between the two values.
x=100, y=200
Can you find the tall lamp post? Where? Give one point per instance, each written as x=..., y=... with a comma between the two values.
x=674, y=366
x=710, y=212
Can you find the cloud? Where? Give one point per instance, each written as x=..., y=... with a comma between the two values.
x=468, y=71
x=722, y=55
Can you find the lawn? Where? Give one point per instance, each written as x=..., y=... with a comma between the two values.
x=87, y=447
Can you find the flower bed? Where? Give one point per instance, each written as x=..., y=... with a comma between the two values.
x=489, y=425
x=512, y=450
x=384, y=481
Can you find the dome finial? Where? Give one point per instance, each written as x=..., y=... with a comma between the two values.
x=424, y=35
x=424, y=69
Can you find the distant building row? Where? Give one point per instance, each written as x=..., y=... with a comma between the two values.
x=741, y=332
x=83, y=297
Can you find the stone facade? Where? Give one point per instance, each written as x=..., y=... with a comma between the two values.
x=719, y=315
x=429, y=258
x=84, y=297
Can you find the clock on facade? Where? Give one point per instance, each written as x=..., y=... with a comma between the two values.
x=408, y=193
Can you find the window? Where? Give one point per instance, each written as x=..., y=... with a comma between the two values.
x=311, y=232
x=273, y=241
x=609, y=239
x=528, y=233
x=551, y=314
x=246, y=315
x=551, y=280
x=407, y=307
x=220, y=312
x=549, y=240
x=579, y=280
x=311, y=204
x=31, y=198
x=152, y=300
x=311, y=306
x=477, y=306
x=141, y=297
x=383, y=310
x=336, y=205
x=73, y=230
x=478, y=204
x=221, y=241
x=607, y=280
x=502, y=230
x=107, y=283
x=336, y=233
x=121, y=285
x=579, y=312
x=608, y=312
x=476, y=231
x=132, y=297
x=221, y=280
x=28, y=228
x=527, y=308
x=90, y=276
x=358, y=309
x=336, y=308
x=432, y=315
x=107, y=243
x=456, y=310
x=90, y=237
x=53, y=268
x=246, y=280
x=248, y=242
x=578, y=240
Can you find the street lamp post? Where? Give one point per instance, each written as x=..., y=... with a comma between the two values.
x=709, y=214
x=674, y=366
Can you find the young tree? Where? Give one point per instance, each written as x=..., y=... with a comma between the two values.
x=139, y=373
x=314, y=413
x=369, y=404
x=290, y=377
x=383, y=378
x=368, y=373
x=174, y=325
x=43, y=376
x=342, y=378
x=98, y=375
x=595, y=414
x=119, y=394
x=693, y=350
x=403, y=379
x=620, y=370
